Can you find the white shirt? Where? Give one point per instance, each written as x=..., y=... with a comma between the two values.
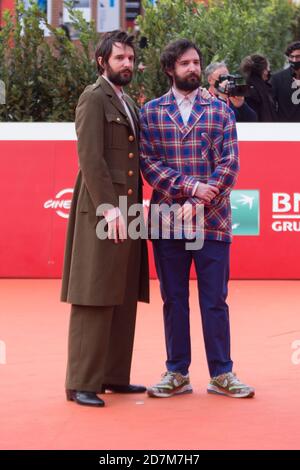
x=185, y=103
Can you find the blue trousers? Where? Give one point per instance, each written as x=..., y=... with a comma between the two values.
x=173, y=264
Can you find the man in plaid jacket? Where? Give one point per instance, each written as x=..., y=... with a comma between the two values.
x=189, y=154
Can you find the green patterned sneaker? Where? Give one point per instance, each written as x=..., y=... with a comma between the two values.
x=228, y=384
x=172, y=383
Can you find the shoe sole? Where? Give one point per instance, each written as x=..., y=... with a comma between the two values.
x=216, y=391
x=86, y=404
x=70, y=398
x=107, y=390
x=185, y=390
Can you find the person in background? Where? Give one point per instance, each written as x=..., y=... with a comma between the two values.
x=243, y=112
x=286, y=86
x=256, y=70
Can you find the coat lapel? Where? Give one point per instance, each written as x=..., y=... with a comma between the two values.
x=115, y=100
x=199, y=108
x=117, y=103
x=133, y=112
x=111, y=94
x=169, y=101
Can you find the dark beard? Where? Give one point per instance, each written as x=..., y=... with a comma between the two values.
x=189, y=83
x=118, y=78
x=295, y=65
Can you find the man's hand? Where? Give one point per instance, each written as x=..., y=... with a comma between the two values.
x=219, y=94
x=206, y=192
x=205, y=93
x=117, y=230
x=237, y=101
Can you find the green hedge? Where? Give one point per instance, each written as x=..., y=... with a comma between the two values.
x=224, y=30
x=44, y=77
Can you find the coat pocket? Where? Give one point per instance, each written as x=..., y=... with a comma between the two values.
x=117, y=131
x=210, y=150
x=206, y=145
x=117, y=176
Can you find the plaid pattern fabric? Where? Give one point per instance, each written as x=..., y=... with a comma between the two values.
x=174, y=157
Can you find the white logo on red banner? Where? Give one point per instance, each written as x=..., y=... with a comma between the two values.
x=286, y=212
x=60, y=204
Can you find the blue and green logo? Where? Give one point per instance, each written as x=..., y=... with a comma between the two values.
x=245, y=212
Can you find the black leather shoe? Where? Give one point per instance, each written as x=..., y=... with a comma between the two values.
x=123, y=388
x=84, y=398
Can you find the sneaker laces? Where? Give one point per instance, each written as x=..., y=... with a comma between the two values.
x=234, y=380
x=167, y=377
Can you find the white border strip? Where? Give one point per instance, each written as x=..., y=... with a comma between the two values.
x=269, y=132
x=37, y=131
x=247, y=132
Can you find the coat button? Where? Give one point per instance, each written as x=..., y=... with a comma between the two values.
x=130, y=173
x=129, y=192
x=131, y=138
x=130, y=155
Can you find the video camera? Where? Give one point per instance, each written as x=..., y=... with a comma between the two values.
x=235, y=85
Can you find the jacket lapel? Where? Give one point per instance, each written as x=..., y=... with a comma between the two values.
x=199, y=108
x=115, y=100
x=133, y=112
x=170, y=104
x=111, y=94
x=117, y=103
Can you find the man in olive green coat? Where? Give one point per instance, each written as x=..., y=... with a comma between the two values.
x=104, y=278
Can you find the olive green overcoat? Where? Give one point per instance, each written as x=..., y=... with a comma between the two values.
x=95, y=270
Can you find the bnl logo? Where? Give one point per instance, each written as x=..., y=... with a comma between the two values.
x=245, y=212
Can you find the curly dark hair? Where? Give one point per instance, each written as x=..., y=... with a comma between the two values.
x=293, y=46
x=173, y=51
x=104, y=47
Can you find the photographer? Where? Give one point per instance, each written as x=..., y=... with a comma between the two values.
x=242, y=111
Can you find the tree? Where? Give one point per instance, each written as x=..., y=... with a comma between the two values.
x=43, y=78
x=224, y=29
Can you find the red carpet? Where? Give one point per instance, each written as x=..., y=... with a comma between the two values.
x=265, y=321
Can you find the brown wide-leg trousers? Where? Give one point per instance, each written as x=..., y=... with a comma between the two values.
x=101, y=338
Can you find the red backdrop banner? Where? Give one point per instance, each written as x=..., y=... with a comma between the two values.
x=38, y=170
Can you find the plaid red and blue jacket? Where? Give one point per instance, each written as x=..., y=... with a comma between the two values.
x=174, y=156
